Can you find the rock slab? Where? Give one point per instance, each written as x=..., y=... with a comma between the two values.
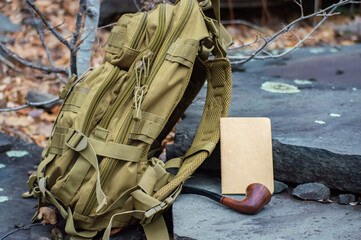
x=197, y=217
x=316, y=130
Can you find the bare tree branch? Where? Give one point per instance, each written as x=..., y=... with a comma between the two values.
x=249, y=24
x=41, y=36
x=49, y=26
x=72, y=47
x=8, y=63
x=92, y=16
x=79, y=18
x=137, y=5
x=324, y=13
x=30, y=104
x=13, y=56
x=299, y=3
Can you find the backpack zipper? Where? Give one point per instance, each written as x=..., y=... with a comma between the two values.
x=98, y=96
x=124, y=130
x=133, y=44
x=153, y=46
x=140, y=31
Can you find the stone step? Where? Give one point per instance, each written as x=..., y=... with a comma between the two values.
x=197, y=217
x=316, y=124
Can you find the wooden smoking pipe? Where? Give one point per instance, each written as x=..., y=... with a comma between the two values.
x=257, y=196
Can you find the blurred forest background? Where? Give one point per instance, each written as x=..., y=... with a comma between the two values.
x=244, y=18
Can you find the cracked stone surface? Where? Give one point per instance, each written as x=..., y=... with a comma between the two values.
x=285, y=217
x=316, y=131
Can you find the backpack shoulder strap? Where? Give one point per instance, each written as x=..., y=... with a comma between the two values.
x=219, y=85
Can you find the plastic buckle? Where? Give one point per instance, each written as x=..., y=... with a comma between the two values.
x=149, y=215
x=76, y=140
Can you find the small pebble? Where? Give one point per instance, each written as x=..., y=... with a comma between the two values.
x=346, y=199
x=339, y=72
x=312, y=191
x=279, y=186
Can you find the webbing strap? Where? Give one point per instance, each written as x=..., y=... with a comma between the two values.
x=156, y=230
x=147, y=128
x=65, y=90
x=135, y=213
x=174, y=163
x=121, y=199
x=115, y=39
x=150, y=178
x=116, y=150
x=74, y=180
x=143, y=201
x=79, y=142
x=77, y=98
x=217, y=104
x=87, y=152
x=70, y=229
x=43, y=164
x=89, y=149
x=50, y=197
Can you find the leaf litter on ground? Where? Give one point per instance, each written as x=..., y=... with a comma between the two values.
x=33, y=124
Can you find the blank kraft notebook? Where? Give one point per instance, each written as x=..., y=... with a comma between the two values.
x=246, y=154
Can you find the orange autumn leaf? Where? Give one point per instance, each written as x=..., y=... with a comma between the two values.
x=48, y=215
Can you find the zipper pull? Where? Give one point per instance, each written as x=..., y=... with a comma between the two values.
x=138, y=99
x=138, y=73
x=146, y=59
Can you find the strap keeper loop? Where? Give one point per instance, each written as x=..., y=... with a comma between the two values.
x=76, y=140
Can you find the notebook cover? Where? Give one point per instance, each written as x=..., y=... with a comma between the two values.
x=246, y=154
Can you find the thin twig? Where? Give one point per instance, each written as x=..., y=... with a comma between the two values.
x=299, y=3
x=49, y=26
x=136, y=5
x=20, y=228
x=325, y=13
x=41, y=36
x=73, y=49
x=14, y=57
x=79, y=18
x=31, y=104
x=9, y=64
x=243, y=22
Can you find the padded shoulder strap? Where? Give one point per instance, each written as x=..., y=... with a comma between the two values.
x=219, y=78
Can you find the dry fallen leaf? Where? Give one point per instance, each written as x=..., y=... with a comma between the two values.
x=115, y=231
x=48, y=117
x=48, y=215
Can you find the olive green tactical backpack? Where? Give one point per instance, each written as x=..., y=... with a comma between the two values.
x=100, y=168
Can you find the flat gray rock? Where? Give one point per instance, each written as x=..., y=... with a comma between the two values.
x=279, y=186
x=316, y=127
x=197, y=217
x=345, y=199
x=7, y=26
x=42, y=97
x=312, y=191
